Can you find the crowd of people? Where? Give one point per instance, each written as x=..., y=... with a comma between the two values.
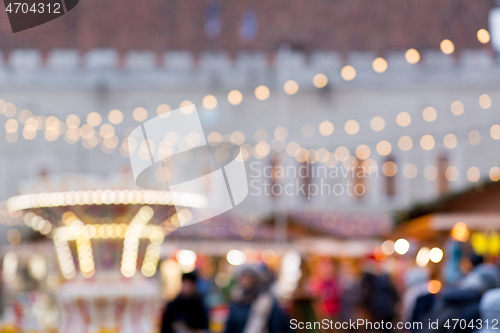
x=471, y=304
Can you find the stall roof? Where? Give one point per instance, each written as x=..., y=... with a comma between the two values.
x=479, y=199
x=477, y=207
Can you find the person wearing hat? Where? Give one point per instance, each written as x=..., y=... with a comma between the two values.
x=254, y=309
x=186, y=313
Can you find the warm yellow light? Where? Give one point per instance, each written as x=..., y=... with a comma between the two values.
x=483, y=36
x=363, y=152
x=495, y=132
x=401, y=246
x=451, y=173
x=115, y=116
x=214, y=138
x=485, y=101
x=473, y=174
x=209, y=102
x=291, y=87
x=261, y=135
x=429, y=114
x=73, y=121
x=320, y=80
x=348, y=73
x=403, y=119
x=235, y=97
x=326, y=128
x=412, y=56
x=389, y=169
x=422, y=258
x=379, y=65
x=457, y=108
x=405, y=143
x=377, y=124
x=410, y=171
x=11, y=125
x=351, y=127
x=435, y=255
x=474, y=137
x=307, y=131
x=262, y=93
x=427, y=142
x=450, y=141
x=447, y=46
x=184, y=104
x=387, y=247
x=94, y=119
x=140, y=114
x=280, y=133
x=163, y=110
x=431, y=172
x=495, y=174
x=107, y=131
x=460, y=232
x=434, y=286
x=384, y=148
x=342, y=153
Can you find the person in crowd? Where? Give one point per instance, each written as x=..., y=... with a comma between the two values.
x=462, y=303
x=349, y=293
x=489, y=308
x=417, y=281
x=378, y=293
x=186, y=313
x=254, y=309
x=327, y=291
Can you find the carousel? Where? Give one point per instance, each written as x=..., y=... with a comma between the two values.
x=107, y=246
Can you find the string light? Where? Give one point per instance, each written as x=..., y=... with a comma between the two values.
x=94, y=119
x=115, y=116
x=447, y=46
x=379, y=65
x=139, y=114
x=412, y=56
x=291, y=87
x=405, y=143
x=485, y=101
x=307, y=131
x=377, y=124
x=427, y=142
x=429, y=114
x=363, y=152
x=99, y=197
x=131, y=241
x=494, y=174
x=209, y=102
x=389, y=169
x=384, y=148
x=450, y=141
x=451, y=173
x=403, y=119
x=473, y=174
x=410, y=171
x=431, y=172
x=457, y=108
x=474, y=137
x=320, y=80
x=235, y=97
x=163, y=110
x=262, y=93
x=326, y=128
x=348, y=73
x=351, y=127
x=483, y=36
